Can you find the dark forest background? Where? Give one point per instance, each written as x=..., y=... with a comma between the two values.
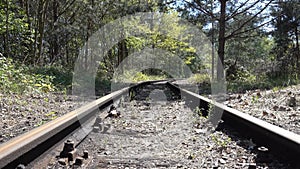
x=256, y=40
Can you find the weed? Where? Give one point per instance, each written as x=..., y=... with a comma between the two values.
x=198, y=111
x=132, y=94
x=219, y=141
x=254, y=99
x=210, y=111
x=46, y=99
x=41, y=123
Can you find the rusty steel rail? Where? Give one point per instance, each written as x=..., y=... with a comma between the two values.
x=28, y=146
x=280, y=142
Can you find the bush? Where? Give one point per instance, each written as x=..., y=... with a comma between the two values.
x=199, y=78
x=18, y=79
x=62, y=79
x=129, y=77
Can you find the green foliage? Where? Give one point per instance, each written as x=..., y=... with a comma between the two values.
x=199, y=78
x=61, y=78
x=129, y=77
x=261, y=82
x=240, y=86
x=220, y=141
x=199, y=114
x=19, y=79
x=241, y=75
x=286, y=35
x=14, y=30
x=254, y=99
x=51, y=115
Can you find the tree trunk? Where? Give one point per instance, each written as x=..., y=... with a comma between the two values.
x=6, y=37
x=213, y=45
x=43, y=5
x=221, y=47
x=31, y=48
x=297, y=49
x=54, y=42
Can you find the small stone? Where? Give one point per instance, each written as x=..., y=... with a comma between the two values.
x=222, y=161
x=179, y=166
x=62, y=161
x=21, y=166
x=79, y=161
x=190, y=157
x=258, y=94
x=106, y=128
x=107, y=153
x=292, y=101
x=98, y=120
x=282, y=108
x=265, y=113
x=275, y=107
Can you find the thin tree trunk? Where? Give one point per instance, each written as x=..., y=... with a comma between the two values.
x=42, y=18
x=221, y=47
x=26, y=5
x=213, y=45
x=54, y=43
x=297, y=49
x=6, y=43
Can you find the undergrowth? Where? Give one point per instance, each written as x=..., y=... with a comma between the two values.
x=133, y=77
x=16, y=78
x=199, y=78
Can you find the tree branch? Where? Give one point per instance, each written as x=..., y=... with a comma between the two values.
x=249, y=30
x=235, y=13
x=66, y=7
x=203, y=10
x=236, y=32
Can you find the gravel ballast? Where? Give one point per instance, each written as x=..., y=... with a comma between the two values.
x=21, y=113
x=159, y=132
x=280, y=107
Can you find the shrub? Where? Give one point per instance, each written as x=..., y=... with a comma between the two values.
x=130, y=76
x=18, y=79
x=61, y=78
x=199, y=78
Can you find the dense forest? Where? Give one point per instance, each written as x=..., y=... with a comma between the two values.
x=255, y=41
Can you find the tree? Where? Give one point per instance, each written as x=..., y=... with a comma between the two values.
x=14, y=30
x=286, y=35
x=223, y=11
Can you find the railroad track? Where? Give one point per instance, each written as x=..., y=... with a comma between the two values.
x=31, y=145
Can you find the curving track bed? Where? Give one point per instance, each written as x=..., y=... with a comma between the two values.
x=152, y=125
